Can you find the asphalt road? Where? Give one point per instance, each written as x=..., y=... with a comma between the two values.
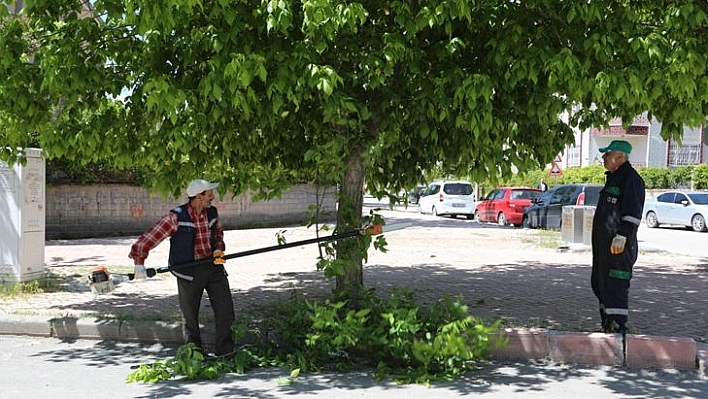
x=674, y=239
x=51, y=368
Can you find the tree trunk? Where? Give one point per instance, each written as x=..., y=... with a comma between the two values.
x=349, y=212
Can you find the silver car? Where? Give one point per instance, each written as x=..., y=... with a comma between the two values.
x=684, y=208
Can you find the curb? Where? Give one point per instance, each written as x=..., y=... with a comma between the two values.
x=642, y=351
x=599, y=349
x=69, y=327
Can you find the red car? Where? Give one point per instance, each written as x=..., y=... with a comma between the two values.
x=505, y=205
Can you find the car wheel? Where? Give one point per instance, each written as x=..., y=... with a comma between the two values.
x=501, y=219
x=476, y=217
x=652, y=221
x=435, y=212
x=698, y=223
x=526, y=223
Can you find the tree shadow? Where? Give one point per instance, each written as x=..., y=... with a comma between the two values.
x=510, y=379
x=663, y=301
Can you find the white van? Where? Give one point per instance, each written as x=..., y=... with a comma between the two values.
x=448, y=198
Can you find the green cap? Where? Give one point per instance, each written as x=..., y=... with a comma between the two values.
x=618, y=145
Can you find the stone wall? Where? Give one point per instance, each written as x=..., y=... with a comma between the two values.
x=76, y=211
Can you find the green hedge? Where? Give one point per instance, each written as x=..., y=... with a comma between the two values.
x=690, y=176
x=61, y=171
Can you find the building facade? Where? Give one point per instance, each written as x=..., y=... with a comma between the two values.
x=649, y=148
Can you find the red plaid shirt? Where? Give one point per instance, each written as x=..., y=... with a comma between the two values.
x=167, y=226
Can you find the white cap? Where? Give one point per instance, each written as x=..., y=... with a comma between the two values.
x=197, y=186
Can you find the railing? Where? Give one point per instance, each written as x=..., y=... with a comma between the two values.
x=687, y=154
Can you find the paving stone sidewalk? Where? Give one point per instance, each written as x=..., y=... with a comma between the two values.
x=514, y=274
x=506, y=273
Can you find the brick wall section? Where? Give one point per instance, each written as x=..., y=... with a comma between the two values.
x=75, y=211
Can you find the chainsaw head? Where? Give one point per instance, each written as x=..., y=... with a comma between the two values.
x=100, y=281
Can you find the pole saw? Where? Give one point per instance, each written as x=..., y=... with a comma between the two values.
x=100, y=275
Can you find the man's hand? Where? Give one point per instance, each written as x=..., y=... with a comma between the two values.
x=139, y=272
x=618, y=243
x=219, y=257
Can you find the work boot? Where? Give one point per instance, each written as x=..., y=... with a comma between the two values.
x=610, y=326
x=604, y=319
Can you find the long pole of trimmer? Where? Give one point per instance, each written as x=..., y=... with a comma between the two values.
x=373, y=230
x=255, y=251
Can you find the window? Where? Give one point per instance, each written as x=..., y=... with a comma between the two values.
x=517, y=194
x=557, y=194
x=592, y=195
x=572, y=154
x=524, y=194
x=687, y=154
x=457, y=188
x=666, y=198
x=679, y=197
x=699, y=199
x=563, y=195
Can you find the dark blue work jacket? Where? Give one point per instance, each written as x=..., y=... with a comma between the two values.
x=619, y=211
x=182, y=242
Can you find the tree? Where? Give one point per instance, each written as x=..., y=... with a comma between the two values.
x=259, y=93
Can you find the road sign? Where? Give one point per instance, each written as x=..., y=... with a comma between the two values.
x=558, y=159
x=556, y=170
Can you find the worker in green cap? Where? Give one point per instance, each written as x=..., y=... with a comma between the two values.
x=614, y=236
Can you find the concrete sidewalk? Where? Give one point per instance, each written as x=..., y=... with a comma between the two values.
x=542, y=295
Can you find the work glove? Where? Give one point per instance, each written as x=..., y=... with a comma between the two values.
x=618, y=243
x=140, y=272
x=219, y=257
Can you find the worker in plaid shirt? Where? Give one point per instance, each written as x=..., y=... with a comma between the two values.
x=195, y=233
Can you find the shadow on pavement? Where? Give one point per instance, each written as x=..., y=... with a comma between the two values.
x=663, y=301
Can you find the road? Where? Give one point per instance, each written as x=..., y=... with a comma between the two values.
x=673, y=239
x=50, y=368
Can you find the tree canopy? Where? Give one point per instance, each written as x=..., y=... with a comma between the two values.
x=261, y=92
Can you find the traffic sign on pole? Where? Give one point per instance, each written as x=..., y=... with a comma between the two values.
x=556, y=170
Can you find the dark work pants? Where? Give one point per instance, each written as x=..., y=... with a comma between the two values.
x=610, y=284
x=214, y=280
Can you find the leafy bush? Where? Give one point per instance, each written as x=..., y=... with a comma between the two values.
x=700, y=177
x=695, y=176
x=62, y=171
x=399, y=338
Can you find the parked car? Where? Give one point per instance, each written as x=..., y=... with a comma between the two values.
x=545, y=212
x=415, y=193
x=684, y=208
x=505, y=205
x=448, y=198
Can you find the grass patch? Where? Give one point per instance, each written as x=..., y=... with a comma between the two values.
x=543, y=238
x=171, y=317
x=12, y=289
x=67, y=278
